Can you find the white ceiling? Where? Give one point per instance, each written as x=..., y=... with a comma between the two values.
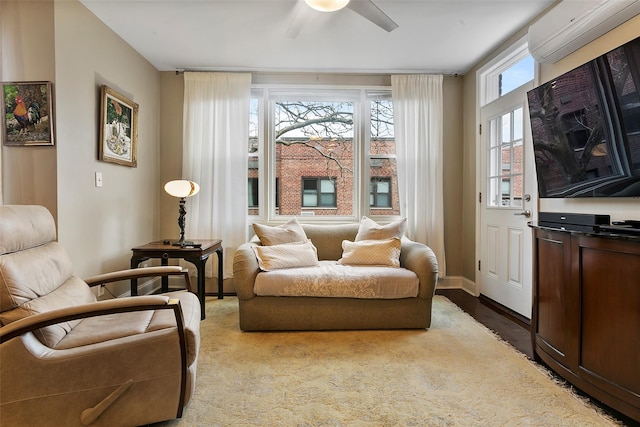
x=434, y=36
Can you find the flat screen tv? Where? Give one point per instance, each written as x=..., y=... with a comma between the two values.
x=586, y=128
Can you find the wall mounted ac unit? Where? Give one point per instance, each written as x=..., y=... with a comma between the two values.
x=572, y=24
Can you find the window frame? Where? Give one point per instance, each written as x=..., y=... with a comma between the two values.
x=361, y=96
x=489, y=87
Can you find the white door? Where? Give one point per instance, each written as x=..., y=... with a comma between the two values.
x=508, y=201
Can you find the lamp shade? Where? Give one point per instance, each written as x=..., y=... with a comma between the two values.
x=326, y=5
x=181, y=188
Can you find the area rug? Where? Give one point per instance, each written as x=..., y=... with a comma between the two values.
x=457, y=373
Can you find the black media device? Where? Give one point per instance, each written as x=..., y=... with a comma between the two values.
x=573, y=221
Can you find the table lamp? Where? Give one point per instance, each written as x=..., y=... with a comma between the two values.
x=182, y=189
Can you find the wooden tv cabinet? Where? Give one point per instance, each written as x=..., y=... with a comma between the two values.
x=585, y=321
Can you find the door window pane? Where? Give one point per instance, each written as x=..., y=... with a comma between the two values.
x=518, y=126
x=506, y=128
x=505, y=165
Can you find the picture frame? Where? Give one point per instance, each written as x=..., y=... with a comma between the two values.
x=118, y=128
x=27, y=113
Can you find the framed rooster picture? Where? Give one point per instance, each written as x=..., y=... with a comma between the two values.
x=118, y=128
x=27, y=113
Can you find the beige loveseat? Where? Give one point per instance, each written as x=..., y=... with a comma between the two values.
x=327, y=312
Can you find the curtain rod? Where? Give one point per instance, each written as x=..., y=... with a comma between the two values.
x=182, y=71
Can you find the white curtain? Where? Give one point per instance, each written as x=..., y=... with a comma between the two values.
x=418, y=118
x=215, y=138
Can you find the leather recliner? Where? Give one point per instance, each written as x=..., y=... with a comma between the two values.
x=68, y=359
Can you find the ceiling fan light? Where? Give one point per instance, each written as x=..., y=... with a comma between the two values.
x=326, y=5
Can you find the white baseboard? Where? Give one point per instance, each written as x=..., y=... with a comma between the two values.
x=457, y=282
x=148, y=287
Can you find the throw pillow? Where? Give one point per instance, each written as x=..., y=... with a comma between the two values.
x=289, y=232
x=286, y=255
x=371, y=252
x=371, y=230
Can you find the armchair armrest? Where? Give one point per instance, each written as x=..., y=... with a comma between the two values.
x=137, y=273
x=94, y=351
x=99, y=308
x=420, y=259
x=245, y=270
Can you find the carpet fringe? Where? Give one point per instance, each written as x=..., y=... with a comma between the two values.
x=552, y=376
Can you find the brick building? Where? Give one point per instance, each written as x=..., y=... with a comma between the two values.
x=315, y=177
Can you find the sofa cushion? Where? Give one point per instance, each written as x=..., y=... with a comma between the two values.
x=371, y=230
x=289, y=232
x=287, y=255
x=330, y=279
x=371, y=252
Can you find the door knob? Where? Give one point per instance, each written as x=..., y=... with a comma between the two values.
x=526, y=213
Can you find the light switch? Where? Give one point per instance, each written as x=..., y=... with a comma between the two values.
x=98, y=179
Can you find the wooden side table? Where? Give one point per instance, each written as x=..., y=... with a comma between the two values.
x=196, y=256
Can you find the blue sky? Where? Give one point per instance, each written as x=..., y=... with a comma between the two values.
x=518, y=74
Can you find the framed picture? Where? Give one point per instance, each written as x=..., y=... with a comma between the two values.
x=27, y=117
x=118, y=128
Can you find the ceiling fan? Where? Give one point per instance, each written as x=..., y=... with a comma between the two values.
x=364, y=8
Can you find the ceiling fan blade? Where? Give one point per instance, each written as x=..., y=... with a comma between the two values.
x=373, y=13
x=301, y=15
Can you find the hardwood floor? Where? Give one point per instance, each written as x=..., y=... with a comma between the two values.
x=505, y=325
x=514, y=330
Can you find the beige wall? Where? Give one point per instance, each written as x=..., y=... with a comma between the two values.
x=171, y=105
x=453, y=175
x=28, y=51
x=617, y=208
x=99, y=226
x=64, y=43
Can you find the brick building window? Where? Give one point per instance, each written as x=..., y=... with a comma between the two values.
x=253, y=192
x=318, y=192
x=380, y=192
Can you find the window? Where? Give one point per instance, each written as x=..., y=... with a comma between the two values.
x=318, y=192
x=506, y=159
x=322, y=147
x=513, y=69
x=380, y=193
x=253, y=192
x=314, y=138
x=253, y=172
x=382, y=159
x=516, y=75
